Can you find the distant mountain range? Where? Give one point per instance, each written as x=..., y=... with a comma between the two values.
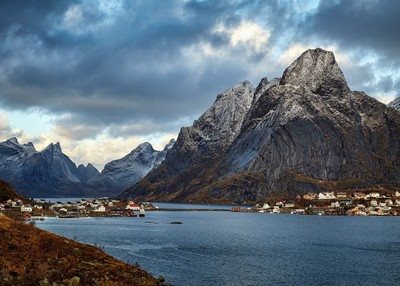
x=51, y=173
x=306, y=131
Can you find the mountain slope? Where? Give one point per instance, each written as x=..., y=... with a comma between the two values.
x=209, y=137
x=395, y=104
x=8, y=193
x=122, y=173
x=309, y=125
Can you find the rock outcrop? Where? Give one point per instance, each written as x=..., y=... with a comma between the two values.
x=395, y=104
x=309, y=125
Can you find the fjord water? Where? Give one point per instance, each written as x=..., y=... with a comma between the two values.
x=224, y=248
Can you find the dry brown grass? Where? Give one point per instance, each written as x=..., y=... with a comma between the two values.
x=29, y=255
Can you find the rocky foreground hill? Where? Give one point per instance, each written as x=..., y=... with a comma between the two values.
x=51, y=173
x=30, y=256
x=306, y=131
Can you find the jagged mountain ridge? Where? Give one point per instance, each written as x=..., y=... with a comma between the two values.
x=51, y=173
x=395, y=104
x=308, y=125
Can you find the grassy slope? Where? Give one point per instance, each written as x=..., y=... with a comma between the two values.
x=28, y=255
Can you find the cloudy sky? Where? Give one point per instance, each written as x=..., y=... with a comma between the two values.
x=103, y=76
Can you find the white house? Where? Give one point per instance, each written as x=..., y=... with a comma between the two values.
x=335, y=204
x=100, y=209
x=374, y=203
x=289, y=205
x=374, y=195
x=26, y=208
x=266, y=206
x=397, y=194
x=133, y=206
x=326, y=196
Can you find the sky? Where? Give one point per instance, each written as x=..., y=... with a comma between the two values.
x=100, y=77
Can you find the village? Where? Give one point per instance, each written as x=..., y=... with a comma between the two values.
x=40, y=208
x=373, y=203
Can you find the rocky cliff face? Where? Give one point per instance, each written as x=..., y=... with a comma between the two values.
x=122, y=173
x=395, y=104
x=307, y=125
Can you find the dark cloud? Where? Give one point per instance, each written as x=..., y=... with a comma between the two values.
x=113, y=64
x=361, y=24
x=128, y=63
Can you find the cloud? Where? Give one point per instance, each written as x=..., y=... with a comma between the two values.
x=6, y=131
x=109, y=71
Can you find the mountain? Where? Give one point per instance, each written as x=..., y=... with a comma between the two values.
x=8, y=193
x=51, y=173
x=46, y=173
x=88, y=172
x=304, y=132
x=122, y=173
x=395, y=104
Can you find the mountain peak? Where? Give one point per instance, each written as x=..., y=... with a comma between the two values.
x=144, y=145
x=13, y=140
x=54, y=147
x=169, y=144
x=317, y=70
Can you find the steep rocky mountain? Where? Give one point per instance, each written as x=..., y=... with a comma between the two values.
x=395, y=104
x=88, y=172
x=122, y=173
x=305, y=131
x=51, y=173
x=46, y=173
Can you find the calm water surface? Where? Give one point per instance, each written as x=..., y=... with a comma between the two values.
x=224, y=248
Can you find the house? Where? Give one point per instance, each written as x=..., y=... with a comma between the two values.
x=266, y=206
x=26, y=208
x=397, y=194
x=397, y=202
x=63, y=210
x=132, y=206
x=374, y=203
x=389, y=202
x=280, y=204
x=374, y=195
x=276, y=210
x=326, y=196
x=289, y=205
x=38, y=207
x=310, y=196
x=359, y=196
x=335, y=204
x=341, y=195
x=100, y=209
